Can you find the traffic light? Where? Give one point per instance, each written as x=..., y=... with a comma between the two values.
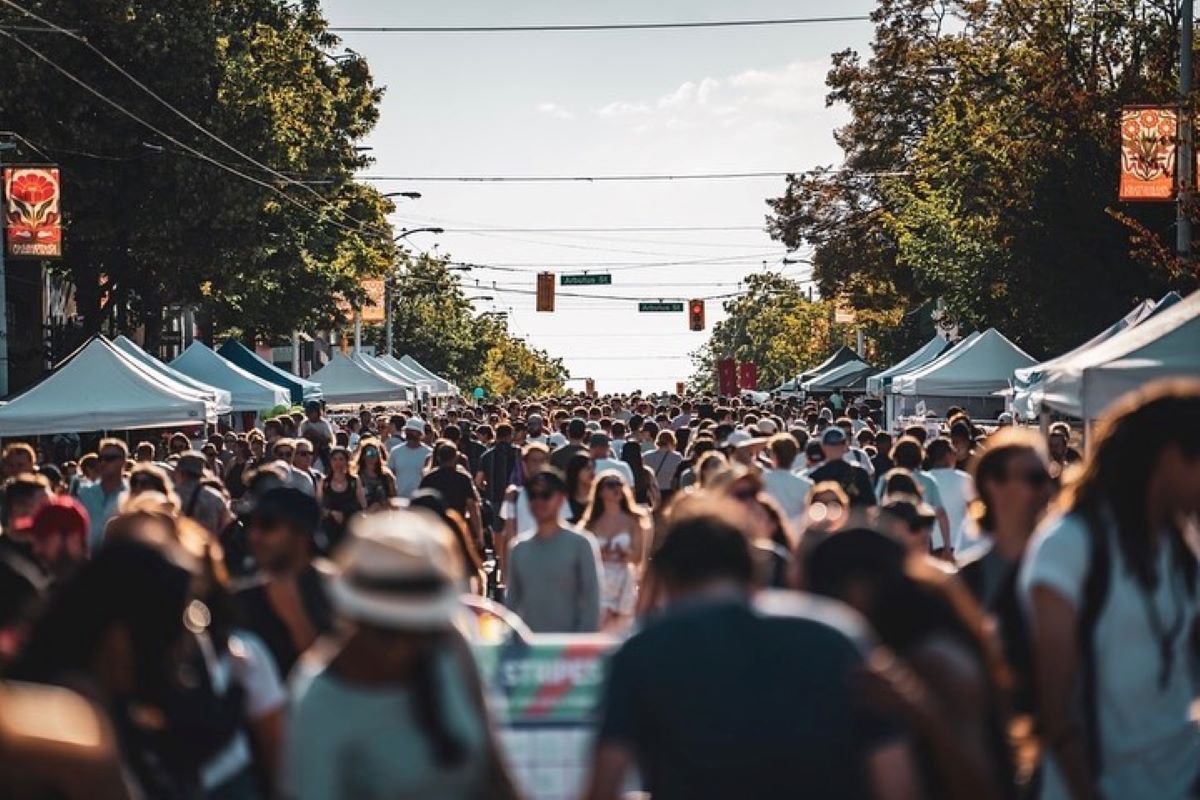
x=545, y=291
x=589, y=387
x=696, y=315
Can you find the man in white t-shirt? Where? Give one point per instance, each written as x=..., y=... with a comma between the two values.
x=787, y=488
x=956, y=488
x=407, y=461
x=600, y=447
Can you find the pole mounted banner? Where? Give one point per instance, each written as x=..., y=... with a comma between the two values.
x=32, y=218
x=1148, y=150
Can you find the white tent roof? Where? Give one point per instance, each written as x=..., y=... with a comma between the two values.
x=977, y=368
x=441, y=385
x=130, y=349
x=381, y=369
x=99, y=388
x=1166, y=345
x=344, y=381
x=250, y=392
x=423, y=382
x=841, y=376
x=922, y=356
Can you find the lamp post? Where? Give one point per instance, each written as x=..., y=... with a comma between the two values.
x=387, y=284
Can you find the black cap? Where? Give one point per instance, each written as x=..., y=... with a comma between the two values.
x=547, y=479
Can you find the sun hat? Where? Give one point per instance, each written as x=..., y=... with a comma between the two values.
x=399, y=570
x=415, y=424
x=767, y=426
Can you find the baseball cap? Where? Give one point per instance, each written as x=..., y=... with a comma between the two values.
x=415, y=424
x=767, y=426
x=833, y=435
x=1005, y=418
x=599, y=440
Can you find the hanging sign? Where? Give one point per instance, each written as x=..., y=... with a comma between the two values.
x=600, y=279
x=1148, y=146
x=32, y=220
x=669, y=308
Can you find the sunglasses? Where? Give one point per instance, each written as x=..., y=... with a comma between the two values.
x=284, y=453
x=542, y=495
x=304, y=453
x=1036, y=478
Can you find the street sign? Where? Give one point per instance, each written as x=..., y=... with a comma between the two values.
x=676, y=308
x=585, y=280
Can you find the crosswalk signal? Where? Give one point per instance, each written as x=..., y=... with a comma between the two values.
x=545, y=291
x=696, y=315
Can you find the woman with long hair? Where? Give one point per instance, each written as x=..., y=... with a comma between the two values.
x=945, y=679
x=376, y=483
x=1111, y=590
x=645, y=485
x=581, y=474
x=340, y=498
x=622, y=530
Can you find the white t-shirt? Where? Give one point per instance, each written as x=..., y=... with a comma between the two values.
x=408, y=465
x=1149, y=746
x=789, y=490
x=519, y=510
x=957, y=490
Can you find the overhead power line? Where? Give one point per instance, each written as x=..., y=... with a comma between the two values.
x=602, y=26
x=614, y=229
x=697, y=176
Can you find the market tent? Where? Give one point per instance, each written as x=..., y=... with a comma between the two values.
x=424, y=383
x=298, y=388
x=1027, y=382
x=374, y=366
x=441, y=385
x=345, y=381
x=840, y=356
x=788, y=387
x=97, y=388
x=173, y=377
x=978, y=368
x=250, y=392
x=1166, y=345
x=847, y=375
x=878, y=382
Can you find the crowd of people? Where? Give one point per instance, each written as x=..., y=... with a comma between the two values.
x=801, y=601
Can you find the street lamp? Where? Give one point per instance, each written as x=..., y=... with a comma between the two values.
x=387, y=285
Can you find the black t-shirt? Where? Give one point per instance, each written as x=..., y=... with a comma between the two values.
x=855, y=481
x=259, y=616
x=497, y=465
x=561, y=457
x=454, y=485
x=720, y=700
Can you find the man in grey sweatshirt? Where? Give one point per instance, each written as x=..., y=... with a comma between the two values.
x=554, y=577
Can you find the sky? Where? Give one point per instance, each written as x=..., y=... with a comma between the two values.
x=591, y=104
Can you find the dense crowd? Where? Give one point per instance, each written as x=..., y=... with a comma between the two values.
x=803, y=602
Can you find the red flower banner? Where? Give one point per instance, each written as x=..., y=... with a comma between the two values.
x=32, y=220
x=1148, y=145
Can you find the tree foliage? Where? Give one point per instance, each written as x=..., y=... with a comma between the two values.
x=152, y=226
x=982, y=163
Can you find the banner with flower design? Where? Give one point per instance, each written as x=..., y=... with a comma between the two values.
x=32, y=220
x=1148, y=145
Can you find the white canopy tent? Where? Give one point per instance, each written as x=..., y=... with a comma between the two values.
x=1164, y=346
x=971, y=375
x=441, y=386
x=915, y=360
x=1027, y=382
x=130, y=349
x=381, y=369
x=250, y=392
x=344, y=381
x=424, y=384
x=847, y=375
x=98, y=388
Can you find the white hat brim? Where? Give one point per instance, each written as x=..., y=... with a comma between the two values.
x=432, y=612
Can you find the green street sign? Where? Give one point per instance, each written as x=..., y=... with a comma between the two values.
x=585, y=280
x=676, y=308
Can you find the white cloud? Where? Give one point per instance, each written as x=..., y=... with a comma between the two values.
x=554, y=110
x=618, y=108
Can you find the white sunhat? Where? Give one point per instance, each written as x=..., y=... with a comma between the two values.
x=767, y=426
x=399, y=570
x=415, y=424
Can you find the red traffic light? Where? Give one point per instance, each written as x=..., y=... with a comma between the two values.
x=696, y=315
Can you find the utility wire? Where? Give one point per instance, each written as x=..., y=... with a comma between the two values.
x=613, y=26
x=632, y=178
x=118, y=107
x=162, y=101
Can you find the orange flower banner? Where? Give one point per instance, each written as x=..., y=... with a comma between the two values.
x=1148, y=144
x=32, y=220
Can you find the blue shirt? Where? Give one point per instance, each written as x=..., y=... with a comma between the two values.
x=100, y=508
